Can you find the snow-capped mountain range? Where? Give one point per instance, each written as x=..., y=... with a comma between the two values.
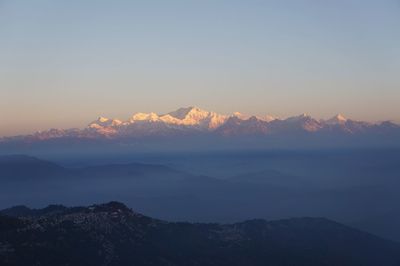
x=193, y=120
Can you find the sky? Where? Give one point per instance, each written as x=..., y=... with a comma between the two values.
x=64, y=63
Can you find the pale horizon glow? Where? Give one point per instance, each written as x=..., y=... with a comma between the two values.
x=65, y=63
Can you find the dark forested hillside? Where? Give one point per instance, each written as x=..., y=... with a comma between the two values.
x=112, y=234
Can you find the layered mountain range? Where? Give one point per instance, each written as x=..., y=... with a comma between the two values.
x=112, y=234
x=193, y=120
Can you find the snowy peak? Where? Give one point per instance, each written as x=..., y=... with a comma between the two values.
x=266, y=118
x=303, y=122
x=340, y=117
x=194, y=116
x=181, y=113
x=189, y=112
x=183, y=117
x=102, y=119
x=152, y=117
x=299, y=118
x=240, y=116
x=104, y=122
x=337, y=119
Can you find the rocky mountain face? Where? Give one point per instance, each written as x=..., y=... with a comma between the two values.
x=112, y=234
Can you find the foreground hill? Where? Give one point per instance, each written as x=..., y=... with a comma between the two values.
x=112, y=234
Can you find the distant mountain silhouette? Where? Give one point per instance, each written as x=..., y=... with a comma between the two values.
x=17, y=167
x=112, y=234
x=23, y=211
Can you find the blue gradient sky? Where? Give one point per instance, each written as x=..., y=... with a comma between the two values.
x=63, y=63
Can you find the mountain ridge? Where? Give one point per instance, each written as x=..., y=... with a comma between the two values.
x=193, y=120
x=194, y=129
x=113, y=234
